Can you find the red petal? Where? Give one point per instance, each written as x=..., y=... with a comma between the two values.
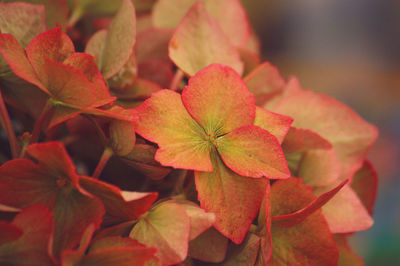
x=365, y=184
x=119, y=206
x=67, y=84
x=37, y=225
x=199, y=41
x=292, y=219
x=15, y=56
x=307, y=243
x=52, y=44
x=235, y=200
x=165, y=227
x=85, y=63
x=9, y=232
x=276, y=124
x=163, y=119
x=265, y=82
x=252, y=151
x=217, y=98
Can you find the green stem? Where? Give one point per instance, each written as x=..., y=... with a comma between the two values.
x=176, y=81
x=8, y=128
x=107, y=154
x=43, y=118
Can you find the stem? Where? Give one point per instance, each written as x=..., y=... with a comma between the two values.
x=107, y=153
x=98, y=128
x=176, y=80
x=8, y=128
x=180, y=181
x=43, y=118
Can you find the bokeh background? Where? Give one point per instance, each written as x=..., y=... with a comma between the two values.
x=348, y=49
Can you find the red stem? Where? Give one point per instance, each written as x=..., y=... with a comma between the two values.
x=8, y=128
x=107, y=153
x=176, y=80
x=44, y=117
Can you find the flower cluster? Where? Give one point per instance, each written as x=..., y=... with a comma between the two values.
x=168, y=141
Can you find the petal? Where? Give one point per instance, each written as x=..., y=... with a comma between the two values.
x=276, y=124
x=22, y=20
x=166, y=227
x=120, y=206
x=265, y=82
x=37, y=225
x=67, y=84
x=292, y=219
x=307, y=243
x=345, y=213
x=230, y=15
x=85, y=63
x=199, y=41
x=252, y=151
x=52, y=44
x=164, y=120
x=349, y=134
x=235, y=200
x=14, y=55
x=217, y=98
x=120, y=40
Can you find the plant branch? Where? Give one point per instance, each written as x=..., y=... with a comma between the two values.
x=176, y=80
x=8, y=128
x=107, y=154
x=43, y=118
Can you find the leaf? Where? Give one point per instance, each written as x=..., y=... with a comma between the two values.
x=252, y=151
x=345, y=213
x=52, y=44
x=9, y=232
x=230, y=15
x=120, y=206
x=276, y=124
x=122, y=137
x=265, y=82
x=119, y=41
x=37, y=225
x=199, y=41
x=307, y=243
x=164, y=120
x=365, y=184
x=14, y=55
x=235, y=200
x=349, y=134
x=200, y=220
x=218, y=100
x=22, y=20
x=166, y=227
x=292, y=219
x=210, y=246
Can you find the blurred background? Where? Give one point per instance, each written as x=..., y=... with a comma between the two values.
x=349, y=50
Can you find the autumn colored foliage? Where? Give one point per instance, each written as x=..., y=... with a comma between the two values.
x=150, y=133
